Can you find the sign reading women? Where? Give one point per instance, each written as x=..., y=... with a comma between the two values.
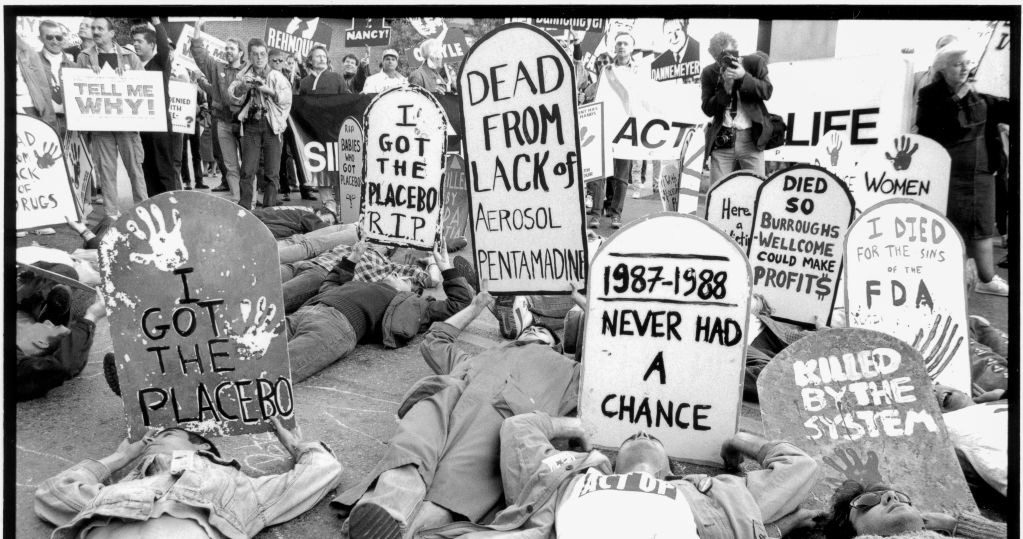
x=193, y=288
x=523, y=162
x=730, y=205
x=906, y=166
x=665, y=339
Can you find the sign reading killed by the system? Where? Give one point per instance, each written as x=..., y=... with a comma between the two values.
x=908, y=166
x=196, y=317
x=993, y=68
x=522, y=155
x=801, y=217
x=350, y=169
x=106, y=101
x=859, y=402
x=297, y=34
x=904, y=276
x=665, y=338
x=730, y=205
x=44, y=194
x=367, y=32
x=182, y=106
x=596, y=156
x=456, y=199
x=404, y=147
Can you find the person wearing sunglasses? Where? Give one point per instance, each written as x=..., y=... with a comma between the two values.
x=55, y=60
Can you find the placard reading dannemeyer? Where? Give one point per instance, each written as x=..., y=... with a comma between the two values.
x=106, y=101
x=193, y=289
x=522, y=156
x=665, y=339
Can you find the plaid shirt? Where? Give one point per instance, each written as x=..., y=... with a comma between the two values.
x=373, y=266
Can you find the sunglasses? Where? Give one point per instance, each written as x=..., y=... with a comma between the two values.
x=276, y=60
x=870, y=499
x=56, y=37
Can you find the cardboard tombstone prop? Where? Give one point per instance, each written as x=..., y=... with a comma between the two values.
x=522, y=155
x=911, y=166
x=730, y=205
x=456, y=200
x=193, y=290
x=44, y=195
x=904, y=276
x=800, y=221
x=350, y=156
x=665, y=336
x=860, y=403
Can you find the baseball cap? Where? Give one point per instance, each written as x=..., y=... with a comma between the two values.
x=390, y=52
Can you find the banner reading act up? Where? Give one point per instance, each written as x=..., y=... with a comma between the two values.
x=523, y=160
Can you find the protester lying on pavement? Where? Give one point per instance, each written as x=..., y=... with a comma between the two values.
x=285, y=221
x=181, y=487
x=443, y=463
x=979, y=431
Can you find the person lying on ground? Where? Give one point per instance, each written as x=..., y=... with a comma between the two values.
x=286, y=221
x=979, y=431
x=180, y=486
x=442, y=465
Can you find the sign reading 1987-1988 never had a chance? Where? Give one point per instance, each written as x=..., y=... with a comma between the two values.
x=522, y=156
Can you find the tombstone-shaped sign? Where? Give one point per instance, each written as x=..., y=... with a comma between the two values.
x=350, y=153
x=802, y=215
x=908, y=166
x=860, y=403
x=193, y=289
x=665, y=338
x=519, y=116
x=44, y=194
x=404, y=148
x=182, y=103
x=904, y=276
x=730, y=205
x=670, y=183
x=456, y=199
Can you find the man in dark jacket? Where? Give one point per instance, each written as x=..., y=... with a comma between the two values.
x=321, y=80
x=734, y=89
x=355, y=71
x=162, y=148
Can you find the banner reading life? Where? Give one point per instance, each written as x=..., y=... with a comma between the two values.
x=522, y=155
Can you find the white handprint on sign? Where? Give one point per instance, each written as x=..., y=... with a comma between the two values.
x=169, y=251
x=255, y=340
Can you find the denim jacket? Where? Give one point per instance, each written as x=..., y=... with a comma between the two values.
x=238, y=506
x=276, y=108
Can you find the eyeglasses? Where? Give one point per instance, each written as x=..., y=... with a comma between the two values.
x=963, y=63
x=277, y=60
x=54, y=37
x=870, y=499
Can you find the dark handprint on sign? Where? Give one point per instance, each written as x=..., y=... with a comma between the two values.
x=853, y=467
x=49, y=157
x=351, y=201
x=585, y=137
x=74, y=155
x=834, y=148
x=903, y=153
x=936, y=352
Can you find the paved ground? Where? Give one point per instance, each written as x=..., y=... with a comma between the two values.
x=350, y=406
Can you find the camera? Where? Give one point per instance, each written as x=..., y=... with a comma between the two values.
x=729, y=60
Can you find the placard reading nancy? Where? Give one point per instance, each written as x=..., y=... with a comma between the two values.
x=350, y=153
x=906, y=166
x=522, y=155
x=44, y=195
x=596, y=156
x=730, y=205
x=193, y=288
x=183, y=106
x=106, y=101
x=404, y=148
x=665, y=339
x=859, y=402
x=802, y=215
x=904, y=276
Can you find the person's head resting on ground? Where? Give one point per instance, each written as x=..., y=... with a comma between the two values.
x=722, y=43
x=877, y=509
x=642, y=452
x=951, y=399
x=172, y=439
x=326, y=216
x=398, y=282
x=538, y=334
x=432, y=52
x=952, y=64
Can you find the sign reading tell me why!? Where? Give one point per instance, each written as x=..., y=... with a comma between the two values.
x=193, y=288
x=802, y=215
x=404, y=148
x=907, y=166
x=730, y=205
x=665, y=339
x=350, y=154
x=44, y=194
x=106, y=101
x=859, y=402
x=522, y=154
x=905, y=276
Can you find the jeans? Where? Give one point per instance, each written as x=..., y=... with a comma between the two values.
x=105, y=146
x=229, y=144
x=318, y=335
x=302, y=281
x=596, y=189
x=191, y=141
x=259, y=140
x=158, y=164
x=648, y=171
x=287, y=174
x=620, y=184
x=401, y=493
x=218, y=155
x=317, y=242
x=744, y=156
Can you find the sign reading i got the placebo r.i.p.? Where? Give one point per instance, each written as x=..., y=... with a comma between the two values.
x=730, y=205
x=904, y=275
x=350, y=169
x=193, y=288
x=665, y=339
x=860, y=403
x=522, y=154
x=801, y=217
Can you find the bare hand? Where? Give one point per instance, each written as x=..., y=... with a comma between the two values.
x=939, y=522
x=482, y=300
x=129, y=451
x=290, y=439
x=358, y=250
x=441, y=256
x=154, y=20
x=120, y=71
x=98, y=309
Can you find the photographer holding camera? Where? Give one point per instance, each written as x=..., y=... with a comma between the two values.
x=734, y=89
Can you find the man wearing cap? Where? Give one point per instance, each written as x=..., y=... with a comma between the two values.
x=388, y=77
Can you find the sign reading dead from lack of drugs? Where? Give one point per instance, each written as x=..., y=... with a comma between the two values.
x=730, y=205
x=350, y=151
x=404, y=148
x=859, y=402
x=193, y=290
x=519, y=117
x=801, y=217
x=907, y=166
x=904, y=275
x=43, y=187
x=665, y=340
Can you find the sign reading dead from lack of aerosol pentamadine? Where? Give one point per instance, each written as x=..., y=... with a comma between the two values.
x=730, y=205
x=193, y=289
x=904, y=276
x=907, y=166
x=522, y=156
x=801, y=217
x=350, y=169
x=860, y=403
x=404, y=161
x=665, y=341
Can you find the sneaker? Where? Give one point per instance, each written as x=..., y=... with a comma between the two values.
x=594, y=222
x=57, y=307
x=505, y=313
x=44, y=231
x=997, y=287
x=523, y=314
x=370, y=521
x=200, y=185
x=307, y=195
x=222, y=188
x=636, y=194
x=286, y=197
x=110, y=373
x=616, y=222
x=188, y=187
x=465, y=268
x=21, y=234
